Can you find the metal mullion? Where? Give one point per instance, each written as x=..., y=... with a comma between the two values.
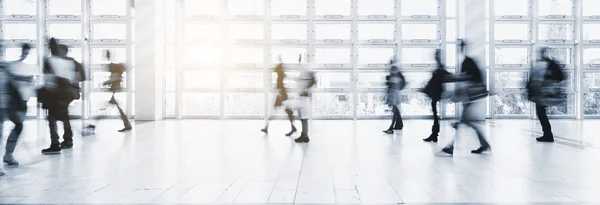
x=578, y=61
x=442, y=32
x=129, y=59
x=41, y=42
x=266, y=55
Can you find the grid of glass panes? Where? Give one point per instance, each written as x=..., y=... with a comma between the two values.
x=520, y=28
x=228, y=50
x=589, y=55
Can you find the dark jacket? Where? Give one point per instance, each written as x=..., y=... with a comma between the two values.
x=435, y=86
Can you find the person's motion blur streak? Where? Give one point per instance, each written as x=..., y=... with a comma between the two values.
x=306, y=81
x=471, y=96
x=282, y=96
x=545, y=89
x=395, y=82
x=62, y=76
x=116, y=78
x=433, y=90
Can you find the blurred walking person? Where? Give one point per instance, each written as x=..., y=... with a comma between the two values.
x=282, y=96
x=433, y=90
x=545, y=88
x=471, y=92
x=116, y=78
x=306, y=81
x=62, y=76
x=395, y=83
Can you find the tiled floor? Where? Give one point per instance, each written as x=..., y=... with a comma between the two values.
x=346, y=162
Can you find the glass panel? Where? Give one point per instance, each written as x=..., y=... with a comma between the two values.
x=99, y=77
x=244, y=104
x=590, y=103
x=333, y=80
x=422, y=7
x=512, y=8
x=416, y=79
x=19, y=31
x=170, y=55
x=332, y=104
x=207, y=32
x=245, y=7
x=201, y=104
x=194, y=79
x=418, y=55
x=591, y=80
x=288, y=55
x=64, y=7
x=19, y=7
x=555, y=7
x=246, y=31
x=14, y=54
x=333, y=31
x=415, y=104
x=373, y=104
x=333, y=55
x=419, y=31
x=591, y=56
x=561, y=55
x=567, y=108
x=512, y=104
x=210, y=56
x=245, y=80
x=170, y=104
x=287, y=7
x=333, y=7
x=375, y=55
x=170, y=79
x=117, y=55
x=555, y=32
x=451, y=109
x=376, y=7
x=590, y=7
x=451, y=55
x=450, y=8
x=110, y=31
x=100, y=105
x=372, y=80
x=590, y=32
x=511, y=31
x=288, y=31
x=246, y=56
x=76, y=54
x=376, y=31
x=109, y=7
x=204, y=7
x=68, y=31
x=513, y=80
x=512, y=55
x=451, y=30
x=289, y=81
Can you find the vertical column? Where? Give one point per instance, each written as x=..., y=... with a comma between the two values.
x=150, y=59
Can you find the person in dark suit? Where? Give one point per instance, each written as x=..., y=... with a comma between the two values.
x=433, y=90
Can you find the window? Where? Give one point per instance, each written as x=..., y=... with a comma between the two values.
x=19, y=31
x=245, y=7
x=209, y=56
x=416, y=80
x=170, y=79
x=591, y=80
x=19, y=7
x=109, y=31
x=76, y=54
x=13, y=54
x=244, y=104
x=245, y=80
x=590, y=8
x=419, y=8
x=201, y=104
x=376, y=7
x=511, y=8
x=288, y=7
x=375, y=56
x=510, y=80
x=565, y=109
x=512, y=31
x=451, y=8
x=512, y=56
x=555, y=7
x=451, y=55
x=117, y=55
x=201, y=8
x=373, y=104
x=246, y=56
x=376, y=31
x=419, y=32
x=288, y=54
x=201, y=79
x=109, y=7
x=590, y=103
x=201, y=32
x=289, y=81
x=372, y=80
x=333, y=55
x=64, y=7
x=590, y=32
x=170, y=107
x=512, y=104
x=332, y=104
x=288, y=31
x=333, y=8
x=415, y=104
x=591, y=56
x=555, y=32
x=333, y=80
x=333, y=32
x=450, y=30
x=65, y=31
x=418, y=55
x=561, y=55
x=246, y=32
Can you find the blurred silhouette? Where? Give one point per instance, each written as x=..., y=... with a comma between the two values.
x=306, y=81
x=395, y=82
x=282, y=96
x=545, y=88
x=116, y=78
x=470, y=91
x=433, y=90
x=62, y=76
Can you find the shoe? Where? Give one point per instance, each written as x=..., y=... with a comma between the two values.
x=112, y=101
x=448, y=150
x=431, y=138
x=302, y=138
x=125, y=129
x=51, y=151
x=481, y=150
x=265, y=130
x=390, y=131
x=10, y=160
x=66, y=145
x=455, y=125
x=91, y=127
x=545, y=139
x=2, y=172
x=291, y=132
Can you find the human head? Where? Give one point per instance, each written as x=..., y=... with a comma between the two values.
x=53, y=45
x=63, y=50
x=25, y=48
x=438, y=55
x=543, y=52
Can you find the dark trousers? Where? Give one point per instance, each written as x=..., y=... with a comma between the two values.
x=543, y=117
x=471, y=123
x=59, y=114
x=17, y=118
x=435, y=129
x=396, y=119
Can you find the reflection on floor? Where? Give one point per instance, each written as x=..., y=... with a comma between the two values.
x=231, y=161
